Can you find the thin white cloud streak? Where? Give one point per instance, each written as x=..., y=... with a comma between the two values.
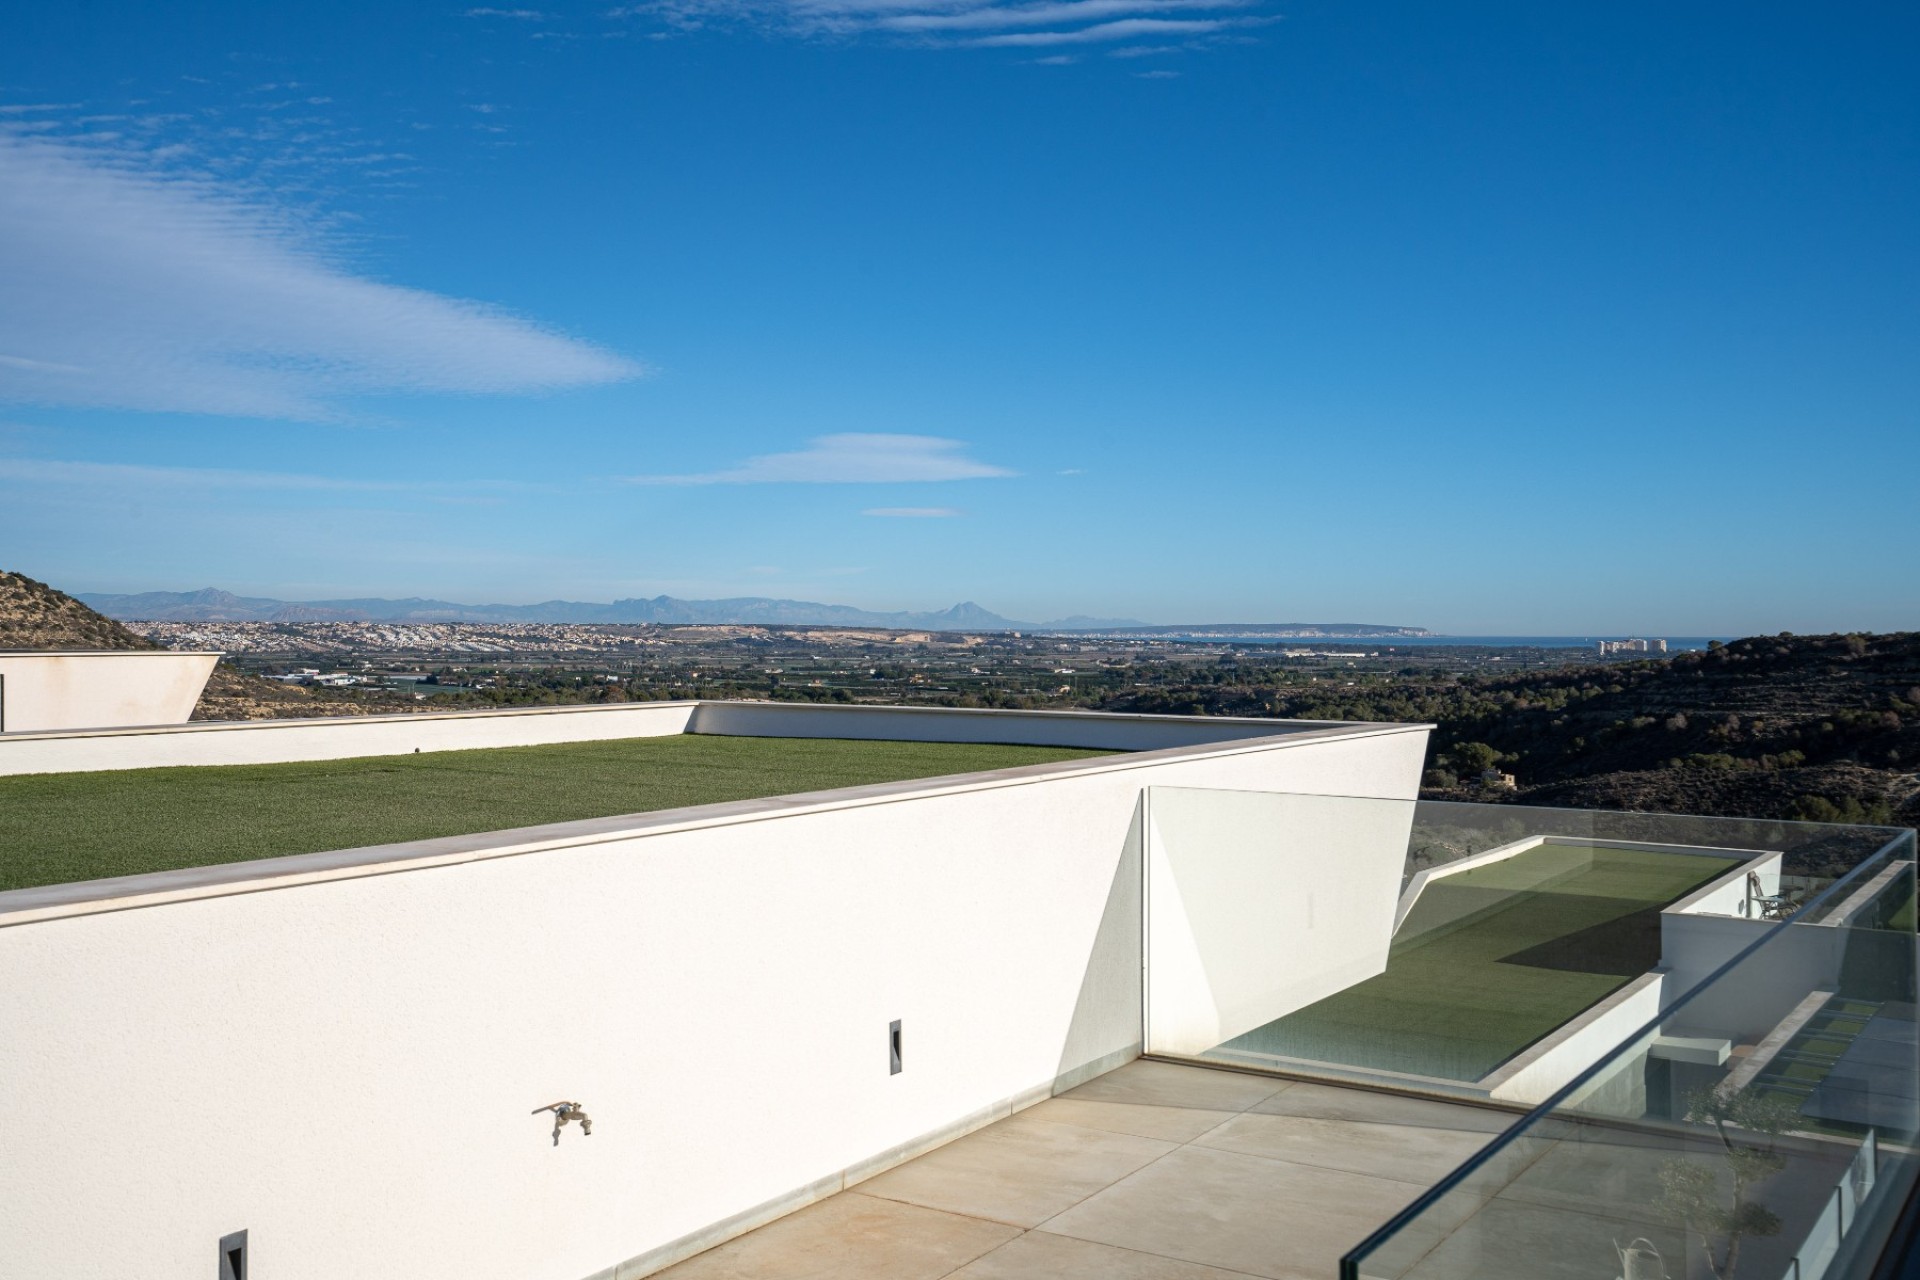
x=1043, y=15
x=939, y=22
x=1124, y=29
x=129, y=288
x=117, y=475
x=913, y=513
x=851, y=458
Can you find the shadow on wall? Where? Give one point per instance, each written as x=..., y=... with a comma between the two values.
x=1106, y=1030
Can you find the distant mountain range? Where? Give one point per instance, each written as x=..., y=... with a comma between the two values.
x=214, y=605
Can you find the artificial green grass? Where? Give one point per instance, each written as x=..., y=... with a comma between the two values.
x=56, y=828
x=1492, y=959
x=1809, y=1058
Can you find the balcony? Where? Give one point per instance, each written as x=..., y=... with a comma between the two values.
x=1185, y=998
x=1722, y=1092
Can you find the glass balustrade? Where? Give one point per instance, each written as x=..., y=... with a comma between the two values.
x=1762, y=1125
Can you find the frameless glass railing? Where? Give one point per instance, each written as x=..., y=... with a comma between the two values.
x=1492, y=952
x=1762, y=1125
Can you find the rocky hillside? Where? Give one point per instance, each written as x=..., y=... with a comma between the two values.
x=35, y=616
x=1823, y=728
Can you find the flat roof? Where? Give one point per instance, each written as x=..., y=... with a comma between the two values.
x=60, y=898
x=63, y=827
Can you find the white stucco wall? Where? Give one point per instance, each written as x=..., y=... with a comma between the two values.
x=346, y=737
x=336, y=738
x=1545, y=1068
x=86, y=690
x=1728, y=895
x=1750, y=1001
x=1260, y=904
x=344, y=1066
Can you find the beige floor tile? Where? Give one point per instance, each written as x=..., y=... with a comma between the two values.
x=1330, y=1102
x=1243, y=1213
x=1403, y=1152
x=1169, y=1124
x=849, y=1237
x=1040, y=1256
x=1169, y=1084
x=1021, y=1171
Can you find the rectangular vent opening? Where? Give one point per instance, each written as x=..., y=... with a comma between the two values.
x=233, y=1256
x=893, y=1048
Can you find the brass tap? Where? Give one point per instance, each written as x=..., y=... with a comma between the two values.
x=565, y=1113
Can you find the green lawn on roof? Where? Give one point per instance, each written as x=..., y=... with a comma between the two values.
x=62, y=827
x=1492, y=959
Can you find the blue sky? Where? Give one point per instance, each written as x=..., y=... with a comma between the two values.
x=1571, y=318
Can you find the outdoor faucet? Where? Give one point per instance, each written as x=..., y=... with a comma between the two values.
x=565, y=1113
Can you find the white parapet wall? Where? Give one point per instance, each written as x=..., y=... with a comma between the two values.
x=338, y=1053
x=1092, y=729
x=347, y=737
x=1547, y=1066
x=90, y=689
x=215, y=742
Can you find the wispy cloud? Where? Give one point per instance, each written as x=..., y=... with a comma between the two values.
x=131, y=286
x=991, y=17
x=115, y=475
x=522, y=15
x=851, y=458
x=982, y=23
x=913, y=513
x=1122, y=29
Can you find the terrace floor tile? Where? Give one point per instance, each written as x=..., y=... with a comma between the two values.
x=1038, y=1254
x=1020, y=1171
x=1156, y=1171
x=1242, y=1213
x=1169, y=1124
x=851, y=1237
x=1170, y=1084
x=1403, y=1152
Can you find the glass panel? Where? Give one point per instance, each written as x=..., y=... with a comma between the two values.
x=1485, y=951
x=1764, y=1125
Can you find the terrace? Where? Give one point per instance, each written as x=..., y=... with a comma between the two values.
x=1047, y=995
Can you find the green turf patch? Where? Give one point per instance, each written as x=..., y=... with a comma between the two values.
x=56, y=828
x=1810, y=1057
x=1548, y=933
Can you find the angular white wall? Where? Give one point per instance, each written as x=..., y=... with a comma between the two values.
x=50, y=690
x=340, y=1055
x=1259, y=904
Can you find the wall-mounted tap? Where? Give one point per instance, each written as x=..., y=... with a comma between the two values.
x=565, y=1113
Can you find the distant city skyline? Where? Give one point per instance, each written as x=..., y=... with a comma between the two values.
x=1578, y=320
